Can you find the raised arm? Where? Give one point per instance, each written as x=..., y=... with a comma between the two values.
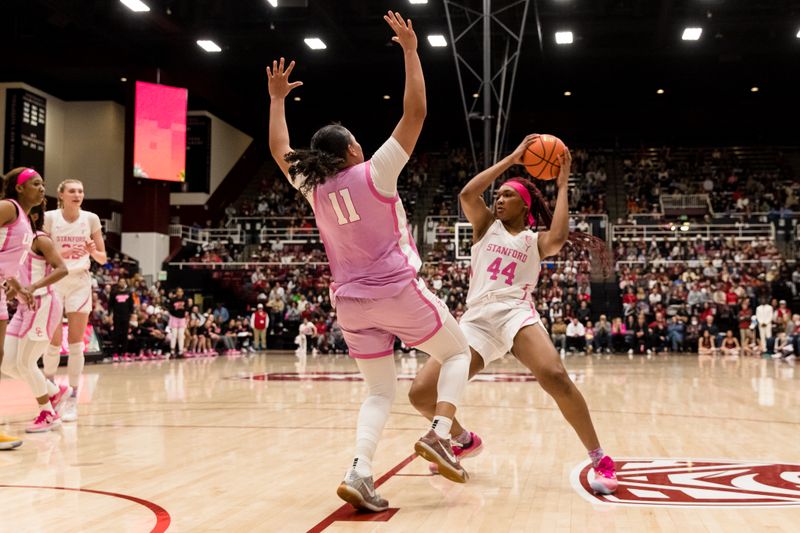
x=279, y=88
x=551, y=242
x=471, y=196
x=414, y=104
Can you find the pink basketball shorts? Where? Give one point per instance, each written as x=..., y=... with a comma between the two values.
x=38, y=325
x=370, y=326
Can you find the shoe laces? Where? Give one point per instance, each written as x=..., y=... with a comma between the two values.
x=606, y=467
x=42, y=418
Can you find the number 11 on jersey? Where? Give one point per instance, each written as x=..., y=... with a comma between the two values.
x=352, y=215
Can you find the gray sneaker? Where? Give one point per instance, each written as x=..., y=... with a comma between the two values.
x=436, y=450
x=360, y=493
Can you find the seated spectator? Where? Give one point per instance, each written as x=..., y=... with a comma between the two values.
x=576, y=336
x=559, y=334
x=784, y=348
x=619, y=334
x=602, y=335
x=676, y=332
x=751, y=346
x=730, y=345
x=706, y=345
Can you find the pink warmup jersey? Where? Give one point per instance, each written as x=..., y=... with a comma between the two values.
x=15, y=241
x=366, y=236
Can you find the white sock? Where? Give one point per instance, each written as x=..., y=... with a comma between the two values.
x=52, y=357
x=362, y=467
x=52, y=388
x=75, y=365
x=47, y=407
x=441, y=425
x=464, y=438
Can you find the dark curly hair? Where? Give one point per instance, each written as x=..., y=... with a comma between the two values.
x=323, y=159
x=576, y=240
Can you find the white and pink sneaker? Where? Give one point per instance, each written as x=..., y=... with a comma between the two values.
x=605, y=477
x=46, y=421
x=57, y=400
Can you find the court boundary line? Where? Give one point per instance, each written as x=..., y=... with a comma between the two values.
x=163, y=518
x=331, y=518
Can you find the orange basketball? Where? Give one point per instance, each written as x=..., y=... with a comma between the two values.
x=541, y=157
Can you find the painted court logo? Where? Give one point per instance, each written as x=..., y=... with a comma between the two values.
x=696, y=483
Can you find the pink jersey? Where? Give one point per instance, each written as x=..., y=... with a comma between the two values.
x=366, y=236
x=33, y=268
x=15, y=241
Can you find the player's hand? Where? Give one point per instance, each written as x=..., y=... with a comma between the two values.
x=278, y=79
x=403, y=30
x=25, y=295
x=565, y=160
x=519, y=152
x=90, y=246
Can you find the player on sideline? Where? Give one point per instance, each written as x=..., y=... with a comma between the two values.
x=32, y=326
x=500, y=316
x=178, y=306
x=23, y=188
x=374, y=265
x=78, y=236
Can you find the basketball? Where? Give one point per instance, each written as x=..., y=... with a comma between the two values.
x=541, y=157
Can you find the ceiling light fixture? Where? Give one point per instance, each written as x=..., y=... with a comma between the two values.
x=386, y=97
x=660, y=91
x=417, y=1
x=273, y=3
x=135, y=5
x=753, y=89
x=296, y=98
x=567, y=93
x=437, y=41
x=209, y=46
x=564, y=37
x=315, y=43
x=691, y=34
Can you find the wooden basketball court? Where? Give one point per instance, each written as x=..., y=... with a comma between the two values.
x=260, y=443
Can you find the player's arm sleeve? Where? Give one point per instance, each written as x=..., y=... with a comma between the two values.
x=94, y=223
x=47, y=225
x=386, y=165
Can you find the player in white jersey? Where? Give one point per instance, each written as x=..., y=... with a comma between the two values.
x=79, y=238
x=32, y=326
x=500, y=316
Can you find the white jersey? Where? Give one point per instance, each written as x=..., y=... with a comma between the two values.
x=69, y=235
x=504, y=266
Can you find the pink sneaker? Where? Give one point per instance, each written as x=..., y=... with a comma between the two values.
x=474, y=449
x=57, y=399
x=44, y=422
x=605, y=478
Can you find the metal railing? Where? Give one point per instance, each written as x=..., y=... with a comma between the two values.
x=205, y=235
x=289, y=235
x=242, y=265
x=685, y=202
x=678, y=230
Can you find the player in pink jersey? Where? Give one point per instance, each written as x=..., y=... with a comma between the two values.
x=23, y=188
x=79, y=239
x=374, y=264
x=32, y=326
x=500, y=317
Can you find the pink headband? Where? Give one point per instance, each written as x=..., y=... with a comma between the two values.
x=526, y=197
x=25, y=175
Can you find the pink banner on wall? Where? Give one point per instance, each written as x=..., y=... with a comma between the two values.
x=159, y=139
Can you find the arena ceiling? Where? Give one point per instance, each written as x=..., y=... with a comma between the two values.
x=624, y=51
